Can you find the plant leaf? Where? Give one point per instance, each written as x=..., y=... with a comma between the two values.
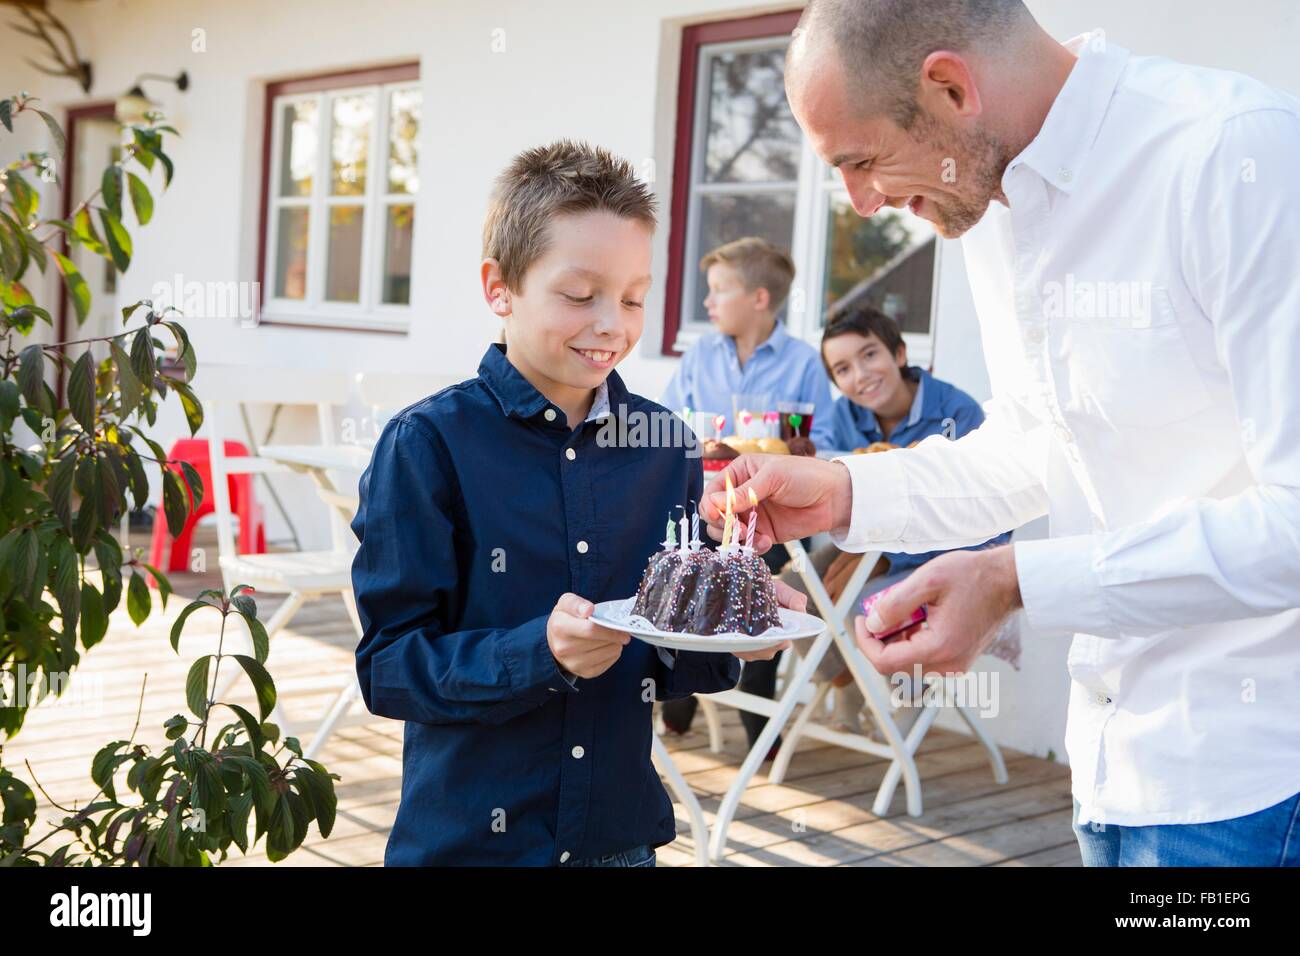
x=127, y=383
x=31, y=375
x=138, y=602
x=111, y=190
x=77, y=288
x=141, y=199
x=196, y=686
x=94, y=620
x=174, y=502
x=81, y=392
x=118, y=239
x=180, y=622
x=56, y=133
x=263, y=686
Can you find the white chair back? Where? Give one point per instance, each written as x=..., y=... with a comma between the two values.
x=386, y=392
x=221, y=388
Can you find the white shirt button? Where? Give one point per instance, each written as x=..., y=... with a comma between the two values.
x=570, y=454
x=582, y=547
x=549, y=414
x=564, y=857
x=1066, y=175
x=1101, y=699
x=578, y=753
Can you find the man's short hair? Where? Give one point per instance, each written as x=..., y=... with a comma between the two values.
x=861, y=318
x=881, y=44
x=542, y=183
x=761, y=266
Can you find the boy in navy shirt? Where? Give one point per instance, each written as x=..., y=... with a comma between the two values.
x=494, y=516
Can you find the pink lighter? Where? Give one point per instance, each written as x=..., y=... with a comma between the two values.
x=869, y=602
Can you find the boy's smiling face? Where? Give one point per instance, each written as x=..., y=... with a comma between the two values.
x=581, y=305
x=863, y=370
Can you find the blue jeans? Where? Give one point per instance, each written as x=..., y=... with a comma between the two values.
x=1269, y=837
x=637, y=856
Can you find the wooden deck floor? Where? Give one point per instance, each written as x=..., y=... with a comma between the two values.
x=820, y=816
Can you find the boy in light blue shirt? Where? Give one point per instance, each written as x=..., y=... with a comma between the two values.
x=751, y=352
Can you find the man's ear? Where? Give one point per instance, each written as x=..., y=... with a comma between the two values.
x=948, y=86
x=495, y=291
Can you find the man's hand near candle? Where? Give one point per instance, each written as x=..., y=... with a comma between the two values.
x=797, y=497
x=967, y=593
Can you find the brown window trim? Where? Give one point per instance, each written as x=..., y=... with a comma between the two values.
x=694, y=37
x=311, y=84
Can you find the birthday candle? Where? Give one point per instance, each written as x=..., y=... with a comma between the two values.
x=695, y=527
x=684, y=541
x=730, y=515
x=753, y=518
x=718, y=422
x=670, y=536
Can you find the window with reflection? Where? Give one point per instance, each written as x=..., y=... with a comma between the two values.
x=744, y=168
x=340, y=205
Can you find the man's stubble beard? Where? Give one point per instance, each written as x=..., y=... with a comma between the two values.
x=980, y=159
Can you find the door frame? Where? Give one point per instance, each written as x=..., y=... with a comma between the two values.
x=99, y=109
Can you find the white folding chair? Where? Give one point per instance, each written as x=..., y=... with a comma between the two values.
x=299, y=575
x=385, y=392
x=801, y=690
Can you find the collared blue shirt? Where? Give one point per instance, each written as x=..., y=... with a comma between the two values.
x=479, y=509
x=787, y=369
x=938, y=408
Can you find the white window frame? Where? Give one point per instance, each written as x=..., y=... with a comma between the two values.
x=814, y=191
x=368, y=312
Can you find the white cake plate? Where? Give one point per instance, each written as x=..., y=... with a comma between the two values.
x=618, y=615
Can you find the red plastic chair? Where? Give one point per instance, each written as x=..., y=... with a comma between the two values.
x=252, y=529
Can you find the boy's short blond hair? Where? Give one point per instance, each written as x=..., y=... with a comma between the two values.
x=548, y=181
x=761, y=266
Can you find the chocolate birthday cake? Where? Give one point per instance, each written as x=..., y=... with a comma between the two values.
x=708, y=592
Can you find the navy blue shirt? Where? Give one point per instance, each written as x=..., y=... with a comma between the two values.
x=938, y=408
x=479, y=508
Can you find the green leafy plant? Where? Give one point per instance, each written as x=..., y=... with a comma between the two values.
x=62, y=573
x=195, y=801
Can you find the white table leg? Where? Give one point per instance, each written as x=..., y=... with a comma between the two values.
x=795, y=734
x=754, y=759
x=714, y=721
x=995, y=755
x=699, y=829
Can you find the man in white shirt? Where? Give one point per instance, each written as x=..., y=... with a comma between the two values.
x=1131, y=228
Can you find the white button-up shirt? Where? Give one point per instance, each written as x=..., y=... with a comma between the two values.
x=1139, y=302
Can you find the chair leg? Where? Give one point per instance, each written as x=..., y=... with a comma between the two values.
x=347, y=696
x=714, y=720
x=699, y=830
x=995, y=754
x=783, y=756
x=754, y=759
x=342, y=704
